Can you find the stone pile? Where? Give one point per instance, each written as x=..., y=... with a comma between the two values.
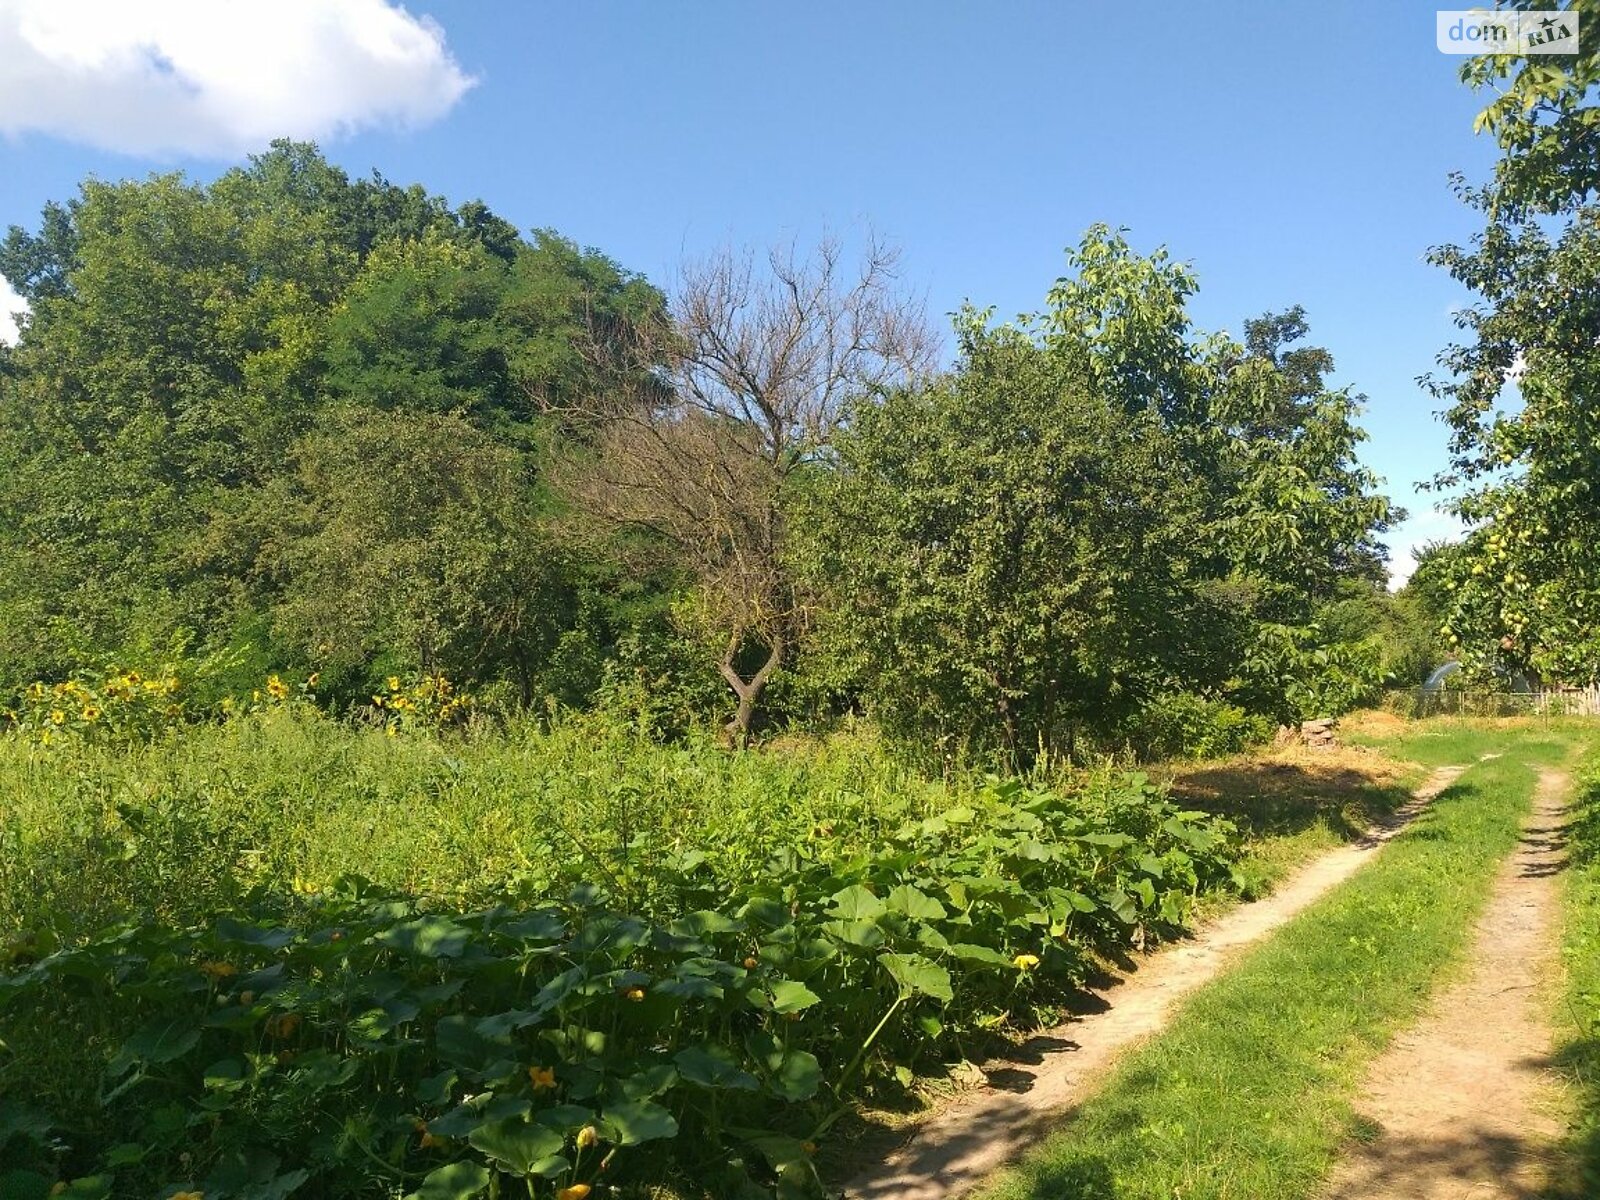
x=1318, y=734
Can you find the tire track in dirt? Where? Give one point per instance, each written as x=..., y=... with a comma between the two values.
x=954, y=1150
x=1462, y=1104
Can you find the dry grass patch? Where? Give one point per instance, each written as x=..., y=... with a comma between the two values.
x=1293, y=803
x=1281, y=790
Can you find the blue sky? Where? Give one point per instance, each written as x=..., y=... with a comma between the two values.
x=1294, y=152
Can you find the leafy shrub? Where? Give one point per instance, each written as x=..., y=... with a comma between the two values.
x=661, y=683
x=1183, y=725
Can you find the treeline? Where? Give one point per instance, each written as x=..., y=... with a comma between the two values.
x=296, y=422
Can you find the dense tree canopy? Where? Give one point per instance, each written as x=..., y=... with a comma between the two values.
x=1521, y=389
x=1097, y=508
x=341, y=426
x=193, y=434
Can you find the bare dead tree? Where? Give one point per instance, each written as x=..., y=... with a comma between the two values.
x=763, y=354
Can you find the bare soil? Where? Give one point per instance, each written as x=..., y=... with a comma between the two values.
x=954, y=1150
x=1463, y=1105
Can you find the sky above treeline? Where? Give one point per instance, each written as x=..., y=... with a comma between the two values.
x=1295, y=153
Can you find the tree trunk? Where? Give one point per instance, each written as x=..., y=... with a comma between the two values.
x=748, y=691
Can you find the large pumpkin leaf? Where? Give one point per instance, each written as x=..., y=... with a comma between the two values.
x=516, y=1144
x=919, y=976
x=640, y=1121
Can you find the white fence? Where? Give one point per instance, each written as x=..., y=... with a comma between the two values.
x=1565, y=702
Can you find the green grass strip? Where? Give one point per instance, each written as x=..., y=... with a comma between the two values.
x=1577, y=1020
x=1247, y=1094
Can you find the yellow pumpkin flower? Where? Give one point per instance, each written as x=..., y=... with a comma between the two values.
x=635, y=994
x=542, y=1077
x=216, y=971
x=587, y=1136
x=576, y=1191
x=1026, y=962
x=187, y=1196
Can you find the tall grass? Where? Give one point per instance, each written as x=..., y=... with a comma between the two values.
x=1577, y=1020
x=189, y=823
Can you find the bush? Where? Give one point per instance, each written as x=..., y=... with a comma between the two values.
x=1183, y=725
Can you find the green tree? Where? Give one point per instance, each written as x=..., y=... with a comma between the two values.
x=1099, y=507
x=1522, y=388
x=1005, y=550
x=410, y=544
x=194, y=351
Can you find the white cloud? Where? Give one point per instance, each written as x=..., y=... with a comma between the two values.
x=1416, y=531
x=218, y=78
x=10, y=305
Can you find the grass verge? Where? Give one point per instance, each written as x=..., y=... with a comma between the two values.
x=1248, y=1092
x=1577, y=1020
